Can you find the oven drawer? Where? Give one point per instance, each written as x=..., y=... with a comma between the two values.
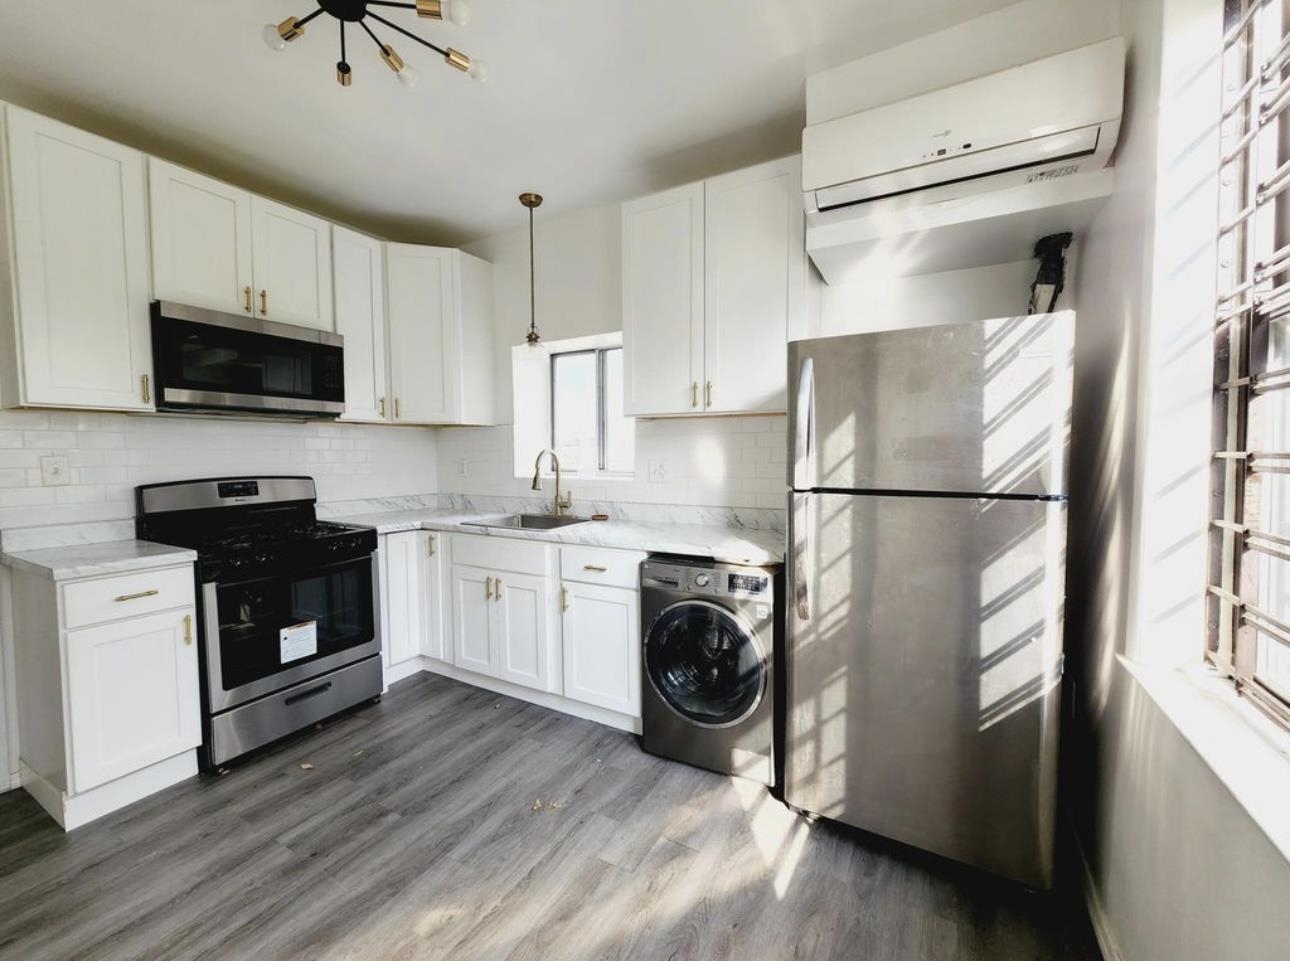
x=599, y=565
x=128, y=595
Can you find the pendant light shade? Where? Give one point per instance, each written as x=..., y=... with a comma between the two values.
x=532, y=201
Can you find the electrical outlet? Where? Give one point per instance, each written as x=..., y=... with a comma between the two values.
x=463, y=467
x=55, y=470
x=658, y=472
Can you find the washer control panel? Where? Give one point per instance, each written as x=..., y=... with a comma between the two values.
x=748, y=583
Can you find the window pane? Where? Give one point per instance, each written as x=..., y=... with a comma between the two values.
x=620, y=431
x=574, y=406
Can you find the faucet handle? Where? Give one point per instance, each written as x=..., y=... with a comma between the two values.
x=566, y=500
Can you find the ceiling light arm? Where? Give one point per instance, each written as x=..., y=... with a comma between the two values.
x=391, y=3
x=311, y=16
x=375, y=39
x=407, y=33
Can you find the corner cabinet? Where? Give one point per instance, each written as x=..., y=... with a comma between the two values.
x=216, y=246
x=109, y=703
x=714, y=277
x=439, y=303
x=73, y=269
x=412, y=603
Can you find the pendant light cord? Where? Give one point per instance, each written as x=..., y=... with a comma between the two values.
x=532, y=282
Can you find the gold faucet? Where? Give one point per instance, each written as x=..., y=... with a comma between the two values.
x=562, y=504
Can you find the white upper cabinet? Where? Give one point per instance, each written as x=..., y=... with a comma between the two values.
x=663, y=301
x=714, y=277
x=201, y=240
x=291, y=257
x=216, y=246
x=755, y=269
x=358, y=276
x=439, y=308
x=73, y=269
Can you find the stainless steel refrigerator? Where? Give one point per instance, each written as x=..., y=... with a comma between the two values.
x=928, y=470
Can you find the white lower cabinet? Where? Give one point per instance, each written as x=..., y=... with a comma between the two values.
x=109, y=702
x=520, y=624
x=472, y=613
x=602, y=646
x=412, y=597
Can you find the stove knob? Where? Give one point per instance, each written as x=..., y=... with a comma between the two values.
x=702, y=580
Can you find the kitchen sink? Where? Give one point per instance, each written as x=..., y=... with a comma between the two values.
x=529, y=522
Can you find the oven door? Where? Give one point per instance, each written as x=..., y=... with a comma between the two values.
x=264, y=634
x=207, y=360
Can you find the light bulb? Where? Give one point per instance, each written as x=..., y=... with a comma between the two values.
x=479, y=71
x=272, y=39
x=408, y=77
x=458, y=11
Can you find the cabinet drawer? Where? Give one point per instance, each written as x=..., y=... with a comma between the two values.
x=598, y=565
x=499, y=553
x=129, y=595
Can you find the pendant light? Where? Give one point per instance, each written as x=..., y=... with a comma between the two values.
x=532, y=201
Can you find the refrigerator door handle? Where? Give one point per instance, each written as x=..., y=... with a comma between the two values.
x=803, y=509
x=804, y=425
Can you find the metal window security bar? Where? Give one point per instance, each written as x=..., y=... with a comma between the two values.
x=1251, y=366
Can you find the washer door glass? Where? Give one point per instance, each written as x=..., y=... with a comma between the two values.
x=705, y=664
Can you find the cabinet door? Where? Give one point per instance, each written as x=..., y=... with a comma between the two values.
x=602, y=646
x=358, y=275
x=201, y=240
x=755, y=278
x=291, y=253
x=424, y=347
x=133, y=695
x=520, y=627
x=404, y=572
x=474, y=306
x=472, y=611
x=663, y=302
x=80, y=251
x=434, y=640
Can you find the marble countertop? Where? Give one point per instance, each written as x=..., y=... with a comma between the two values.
x=95, y=560
x=732, y=545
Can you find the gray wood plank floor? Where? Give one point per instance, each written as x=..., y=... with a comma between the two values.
x=415, y=836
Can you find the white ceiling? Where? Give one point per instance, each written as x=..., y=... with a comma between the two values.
x=589, y=101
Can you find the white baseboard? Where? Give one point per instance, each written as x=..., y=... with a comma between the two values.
x=556, y=702
x=79, y=810
x=1097, y=914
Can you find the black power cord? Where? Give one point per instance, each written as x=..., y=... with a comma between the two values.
x=1050, y=251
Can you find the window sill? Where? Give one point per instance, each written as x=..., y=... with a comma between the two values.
x=1246, y=750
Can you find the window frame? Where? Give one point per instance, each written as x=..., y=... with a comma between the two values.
x=1253, y=238
x=602, y=401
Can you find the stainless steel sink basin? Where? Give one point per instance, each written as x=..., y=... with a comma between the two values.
x=529, y=522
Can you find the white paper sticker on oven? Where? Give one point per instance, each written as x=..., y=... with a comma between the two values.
x=299, y=640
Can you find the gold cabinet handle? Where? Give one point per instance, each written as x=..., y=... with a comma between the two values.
x=382, y=406
x=264, y=303
x=707, y=394
x=396, y=408
x=488, y=588
x=188, y=628
x=497, y=590
x=430, y=546
x=147, y=392
x=594, y=568
x=694, y=393
x=564, y=598
x=135, y=597
x=246, y=303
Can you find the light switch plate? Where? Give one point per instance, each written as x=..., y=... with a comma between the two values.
x=462, y=467
x=55, y=471
x=658, y=472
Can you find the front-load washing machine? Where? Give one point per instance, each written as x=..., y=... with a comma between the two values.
x=708, y=634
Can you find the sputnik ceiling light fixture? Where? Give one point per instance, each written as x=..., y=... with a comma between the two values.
x=277, y=36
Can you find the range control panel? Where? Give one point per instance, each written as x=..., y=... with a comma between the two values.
x=715, y=580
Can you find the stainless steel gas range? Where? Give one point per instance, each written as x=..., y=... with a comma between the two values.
x=288, y=605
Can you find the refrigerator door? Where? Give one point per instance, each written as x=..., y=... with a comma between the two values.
x=924, y=667
x=982, y=407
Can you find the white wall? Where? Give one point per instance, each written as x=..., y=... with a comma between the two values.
x=1177, y=867
x=111, y=453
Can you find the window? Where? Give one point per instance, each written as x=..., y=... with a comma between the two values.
x=588, y=429
x=1249, y=588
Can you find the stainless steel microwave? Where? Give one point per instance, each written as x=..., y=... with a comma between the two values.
x=206, y=360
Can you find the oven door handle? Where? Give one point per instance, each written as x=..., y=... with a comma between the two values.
x=312, y=692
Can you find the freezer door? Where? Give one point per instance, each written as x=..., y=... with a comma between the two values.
x=924, y=662
x=982, y=407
